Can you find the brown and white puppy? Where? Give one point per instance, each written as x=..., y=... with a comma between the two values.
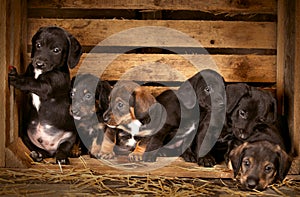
x=262, y=159
x=89, y=101
x=48, y=127
x=129, y=106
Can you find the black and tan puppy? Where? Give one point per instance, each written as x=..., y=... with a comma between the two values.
x=128, y=110
x=89, y=101
x=195, y=117
x=248, y=106
x=262, y=159
x=49, y=128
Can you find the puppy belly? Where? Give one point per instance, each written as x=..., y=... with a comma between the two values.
x=47, y=137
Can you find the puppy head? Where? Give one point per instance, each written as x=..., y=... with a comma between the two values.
x=257, y=106
x=89, y=95
x=127, y=103
x=206, y=87
x=259, y=164
x=53, y=47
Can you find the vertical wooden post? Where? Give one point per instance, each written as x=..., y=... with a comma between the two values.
x=3, y=84
x=292, y=73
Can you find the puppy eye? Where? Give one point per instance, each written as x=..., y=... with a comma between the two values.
x=56, y=50
x=72, y=94
x=88, y=96
x=120, y=105
x=268, y=169
x=246, y=163
x=38, y=45
x=243, y=114
x=207, y=90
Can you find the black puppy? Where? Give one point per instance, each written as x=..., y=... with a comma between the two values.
x=50, y=129
x=89, y=101
x=263, y=158
x=196, y=108
x=248, y=106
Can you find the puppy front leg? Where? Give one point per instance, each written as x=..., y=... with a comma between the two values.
x=63, y=153
x=137, y=154
x=108, y=144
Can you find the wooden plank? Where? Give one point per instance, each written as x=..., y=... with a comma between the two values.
x=3, y=77
x=210, y=34
x=281, y=31
x=171, y=67
x=221, y=6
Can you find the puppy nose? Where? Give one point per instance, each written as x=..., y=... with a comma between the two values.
x=252, y=182
x=75, y=111
x=40, y=64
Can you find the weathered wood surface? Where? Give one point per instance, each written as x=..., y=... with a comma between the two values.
x=222, y=6
x=171, y=67
x=211, y=34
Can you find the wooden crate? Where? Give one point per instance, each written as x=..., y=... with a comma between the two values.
x=250, y=41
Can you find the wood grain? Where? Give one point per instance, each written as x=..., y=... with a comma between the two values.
x=212, y=34
x=221, y=6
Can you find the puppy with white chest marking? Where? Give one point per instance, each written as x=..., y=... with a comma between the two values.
x=50, y=130
x=128, y=110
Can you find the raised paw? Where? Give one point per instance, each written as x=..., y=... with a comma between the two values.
x=36, y=156
x=206, y=161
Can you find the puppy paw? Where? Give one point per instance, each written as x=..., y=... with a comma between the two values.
x=36, y=156
x=206, y=161
x=189, y=157
x=109, y=155
x=13, y=76
x=149, y=157
x=64, y=161
x=76, y=150
x=135, y=156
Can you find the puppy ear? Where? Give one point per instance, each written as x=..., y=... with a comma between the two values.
x=236, y=156
x=141, y=101
x=270, y=111
x=102, y=92
x=186, y=94
x=234, y=93
x=285, y=162
x=75, y=51
x=34, y=38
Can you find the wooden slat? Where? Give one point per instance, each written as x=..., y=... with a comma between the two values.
x=3, y=88
x=221, y=6
x=170, y=67
x=211, y=34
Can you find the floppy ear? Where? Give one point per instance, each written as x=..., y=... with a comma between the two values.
x=103, y=91
x=75, y=51
x=186, y=94
x=234, y=93
x=270, y=111
x=236, y=156
x=34, y=38
x=285, y=162
x=140, y=101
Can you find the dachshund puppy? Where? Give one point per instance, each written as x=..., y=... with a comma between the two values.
x=89, y=101
x=128, y=109
x=49, y=128
x=262, y=159
x=248, y=106
x=195, y=117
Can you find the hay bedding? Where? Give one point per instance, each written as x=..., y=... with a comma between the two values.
x=50, y=180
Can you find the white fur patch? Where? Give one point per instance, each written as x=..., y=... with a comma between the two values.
x=35, y=98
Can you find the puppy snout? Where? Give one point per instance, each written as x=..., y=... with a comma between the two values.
x=40, y=64
x=106, y=117
x=252, y=182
